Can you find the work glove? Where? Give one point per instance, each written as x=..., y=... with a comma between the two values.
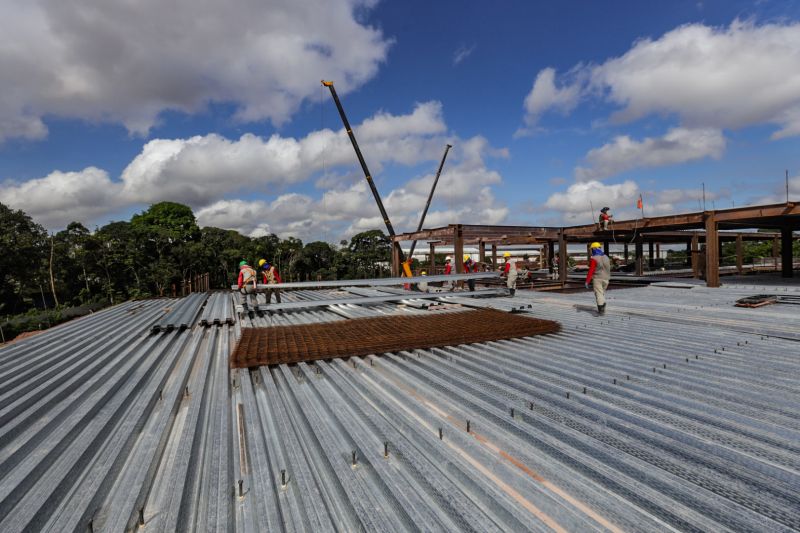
x=586, y=285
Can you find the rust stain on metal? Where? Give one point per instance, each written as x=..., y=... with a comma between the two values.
x=364, y=336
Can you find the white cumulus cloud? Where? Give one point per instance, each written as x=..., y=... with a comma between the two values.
x=256, y=185
x=126, y=62
x=201, y=169
x=62, y=197
x=709, y=77
x=678, y=145
x=579, y=197
x=545, y=96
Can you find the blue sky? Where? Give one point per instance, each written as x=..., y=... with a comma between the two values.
x=552, y=107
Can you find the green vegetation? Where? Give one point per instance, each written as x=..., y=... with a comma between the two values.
x=145, y=257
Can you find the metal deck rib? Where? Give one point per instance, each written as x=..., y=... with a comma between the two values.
x=674, y=411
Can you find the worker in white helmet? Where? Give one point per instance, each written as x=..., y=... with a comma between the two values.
x=448, y=269
x=510, y=273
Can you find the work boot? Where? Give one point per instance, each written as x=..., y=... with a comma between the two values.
x=512, y=291
x=601, y=309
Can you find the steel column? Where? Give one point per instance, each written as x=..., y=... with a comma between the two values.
x=786, y=252
x=712, y=251
x=639, y=256
x=739, y=254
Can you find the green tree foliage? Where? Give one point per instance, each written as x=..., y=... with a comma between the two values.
x=151, y=253
x=369, y=255
x=23, y=248
x=167, y=231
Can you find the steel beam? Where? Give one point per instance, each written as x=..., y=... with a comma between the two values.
x=373, y=282
x=367, y=300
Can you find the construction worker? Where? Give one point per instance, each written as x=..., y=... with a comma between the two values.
x=248, y=282
x=271, y=277
x=510, y=273
x=599, y=275
x=469, y=267
x=422, y=286
x=605, y=218
x=448, y=269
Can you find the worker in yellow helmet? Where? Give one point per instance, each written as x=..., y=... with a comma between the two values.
x=422, y=286
x=270, y=277
x=510, y=273
x=470, y=266
x=599, y=275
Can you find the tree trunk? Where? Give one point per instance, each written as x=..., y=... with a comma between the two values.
x=86, y=280
x=52, y=280
x=108, y=278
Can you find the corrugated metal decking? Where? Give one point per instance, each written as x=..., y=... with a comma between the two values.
x=672, y=412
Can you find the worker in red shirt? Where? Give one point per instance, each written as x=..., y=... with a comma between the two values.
x=271, y=277
x=248, y=282
x=599, y=275
x=605, y=218
x=510, y=273
x=448, y=269
x=470, y=266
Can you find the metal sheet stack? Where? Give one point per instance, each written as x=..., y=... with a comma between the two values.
x=182, y=313
x=218, y=310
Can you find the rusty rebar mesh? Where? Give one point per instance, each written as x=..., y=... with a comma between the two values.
x=363, y=336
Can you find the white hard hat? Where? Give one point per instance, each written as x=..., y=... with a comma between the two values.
x=448, y=258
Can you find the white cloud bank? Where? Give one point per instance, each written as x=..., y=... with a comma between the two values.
x=126, y=62
x=574, y=205
x=708, y=78
x=733, y=77
x=678, y=145
x=212, y=174
x=61, y=197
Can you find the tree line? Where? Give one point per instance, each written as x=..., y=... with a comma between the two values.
x=159, y=247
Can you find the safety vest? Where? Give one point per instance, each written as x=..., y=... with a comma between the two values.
x=602, y=269
x=248, y=275
x=270, y=274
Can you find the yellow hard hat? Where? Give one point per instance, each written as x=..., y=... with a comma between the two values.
x=423, y=273
x=507, y=254
x=466, y=257
x=595, y=245
x=261, y=262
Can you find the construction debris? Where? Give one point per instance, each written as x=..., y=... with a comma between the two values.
x=760, y=300
x=311, y=342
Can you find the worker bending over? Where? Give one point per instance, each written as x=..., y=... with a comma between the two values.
x=422, y=286
x=248, y=281
x=605, y=218
x=271, y=277
x=470, y=266
x=510, y=273
x=598, y=276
